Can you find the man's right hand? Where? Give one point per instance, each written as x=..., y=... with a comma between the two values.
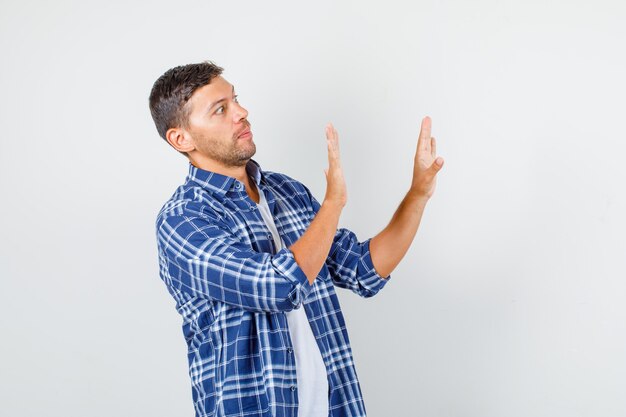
x=336, y=186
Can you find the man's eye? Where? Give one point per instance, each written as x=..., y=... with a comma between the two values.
x=236, y=100
x=218, y=110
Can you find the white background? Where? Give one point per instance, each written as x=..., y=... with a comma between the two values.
x=510, y=301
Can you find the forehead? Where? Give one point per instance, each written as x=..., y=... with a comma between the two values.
x=218, y=88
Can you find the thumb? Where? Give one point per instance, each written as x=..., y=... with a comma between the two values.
x=436, y=166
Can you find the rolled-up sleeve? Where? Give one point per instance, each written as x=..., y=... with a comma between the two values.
x=350, y=262
x=350, y=265
x=204, y=260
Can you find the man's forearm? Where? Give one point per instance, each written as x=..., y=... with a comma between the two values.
x=311, y=250
x=389, y=246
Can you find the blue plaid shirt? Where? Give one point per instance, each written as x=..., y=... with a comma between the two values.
x=232, y=289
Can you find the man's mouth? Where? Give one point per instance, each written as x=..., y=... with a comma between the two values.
x=245, y=134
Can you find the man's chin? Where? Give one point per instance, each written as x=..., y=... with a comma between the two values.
x=251, y=151
x=244, y=158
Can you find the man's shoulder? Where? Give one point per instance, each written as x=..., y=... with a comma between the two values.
x=189, y=201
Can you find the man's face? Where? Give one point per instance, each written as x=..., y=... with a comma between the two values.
x=216, y=123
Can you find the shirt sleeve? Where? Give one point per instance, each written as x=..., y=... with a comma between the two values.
x=350, y=262
x=205, y=260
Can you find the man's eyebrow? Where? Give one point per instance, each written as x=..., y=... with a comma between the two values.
x=219, y=101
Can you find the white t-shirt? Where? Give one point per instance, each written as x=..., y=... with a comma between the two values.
x=310, y=368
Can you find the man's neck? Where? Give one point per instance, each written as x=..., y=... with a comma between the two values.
x=238, y=172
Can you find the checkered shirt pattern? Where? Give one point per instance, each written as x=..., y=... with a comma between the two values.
x=232, y=288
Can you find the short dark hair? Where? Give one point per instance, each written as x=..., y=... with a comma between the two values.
x=171, y=92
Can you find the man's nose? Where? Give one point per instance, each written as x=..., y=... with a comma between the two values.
x=240, y=113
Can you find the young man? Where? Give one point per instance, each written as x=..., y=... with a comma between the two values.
x=252, y=259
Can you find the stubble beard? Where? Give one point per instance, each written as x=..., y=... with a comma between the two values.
x=233, y=154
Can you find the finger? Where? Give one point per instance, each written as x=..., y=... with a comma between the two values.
x=333, y=132
x=436, y=166
x=330, y=133
x=331, y=144
x=329, y=137
x=336, y=142
x=433, y=147
x=423, y=142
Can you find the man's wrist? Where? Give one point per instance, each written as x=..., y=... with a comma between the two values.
x=416, y=198
x=332, y=205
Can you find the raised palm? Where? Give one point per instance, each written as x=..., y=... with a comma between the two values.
x=424, y=167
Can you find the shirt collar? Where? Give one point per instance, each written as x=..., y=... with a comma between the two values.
x=220, y=184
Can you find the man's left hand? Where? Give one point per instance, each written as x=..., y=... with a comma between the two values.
x=426, y=163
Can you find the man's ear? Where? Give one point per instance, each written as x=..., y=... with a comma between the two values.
x=179, y=139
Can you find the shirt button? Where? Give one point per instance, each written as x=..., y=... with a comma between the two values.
x=237, y=185
x=293, y=388
x=290, y=350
